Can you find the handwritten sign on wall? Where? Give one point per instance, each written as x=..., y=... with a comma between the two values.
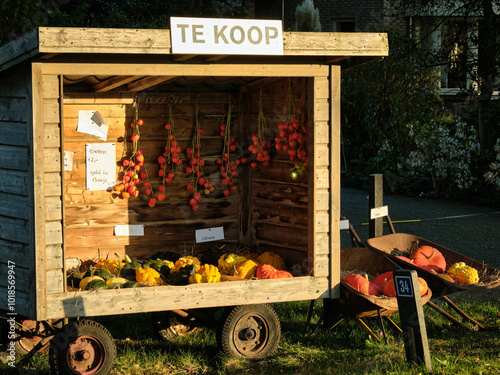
x=101, y=165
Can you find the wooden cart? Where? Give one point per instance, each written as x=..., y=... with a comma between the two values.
x=48, y=214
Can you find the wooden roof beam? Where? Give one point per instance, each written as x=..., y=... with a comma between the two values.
x=114, y=82
x=184, y=57
x=147, y=82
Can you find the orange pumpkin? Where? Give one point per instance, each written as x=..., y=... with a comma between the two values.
x=268, y=271
x=444, y=276
x=428, y=258
x=423, y=286
x=390, y=287
x=273, y=259
x=362, y=284
x=381, y=279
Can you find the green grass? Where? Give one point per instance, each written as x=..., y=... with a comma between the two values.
x=345, y=350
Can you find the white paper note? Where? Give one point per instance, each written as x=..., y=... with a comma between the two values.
x=93, y=123
x=101, y=166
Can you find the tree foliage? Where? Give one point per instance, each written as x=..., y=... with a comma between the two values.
x=380, y=98
x=475, y=26
x=19, y=16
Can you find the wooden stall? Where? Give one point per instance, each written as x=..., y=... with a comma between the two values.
x=50, y=214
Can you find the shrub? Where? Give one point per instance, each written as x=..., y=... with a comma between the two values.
x=493, y=175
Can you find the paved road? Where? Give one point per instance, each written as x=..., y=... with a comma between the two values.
x=470, y=230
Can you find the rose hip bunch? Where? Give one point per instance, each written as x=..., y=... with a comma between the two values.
x=292, y=136
x=195, y=168
x=229, y=168
x=170, y=159
x=134, y=170
x=261, y=148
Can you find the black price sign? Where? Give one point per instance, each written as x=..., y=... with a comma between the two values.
x=412, y=317
x=404, y=286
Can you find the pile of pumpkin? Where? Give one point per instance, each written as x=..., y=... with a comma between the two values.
x=381, y=285
x=169, y=268
x=425, y=257
x=432, y=260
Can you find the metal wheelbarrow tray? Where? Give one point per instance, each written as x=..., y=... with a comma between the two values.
x=395, y=244
x=353, y=303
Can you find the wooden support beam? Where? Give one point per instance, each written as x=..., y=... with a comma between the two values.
x=147, y=82
x=114, y=82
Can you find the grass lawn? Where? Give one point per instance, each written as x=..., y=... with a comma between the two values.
x=347, y=349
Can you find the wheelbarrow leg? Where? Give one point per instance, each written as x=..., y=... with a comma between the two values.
x=367, y=329
x=461, y=312
x=447, y=315
x=381, y=320
x=394, y=324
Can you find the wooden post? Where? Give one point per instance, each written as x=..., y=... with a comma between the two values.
x=412, y=317
x=375, y=200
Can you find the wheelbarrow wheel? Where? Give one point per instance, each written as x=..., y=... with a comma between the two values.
x=168, y=325
x=83, y=347
x=249, y=331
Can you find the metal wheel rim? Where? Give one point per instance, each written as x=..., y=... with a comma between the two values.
x=28, y=343
x=251, y=334
x=85, y=355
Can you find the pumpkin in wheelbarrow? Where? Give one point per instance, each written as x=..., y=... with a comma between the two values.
x=362, y=284
x=390, y=287
x=429, y=258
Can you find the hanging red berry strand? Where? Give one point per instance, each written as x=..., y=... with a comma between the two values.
x=134, y=170
x=170, y=159
x=292, y=135
x=195, y=167
x=261, y=148
x=228, y=168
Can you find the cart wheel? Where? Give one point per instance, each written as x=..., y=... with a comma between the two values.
x=168, y=325
x=28, y=334
x=84, y=347
x=249, y=331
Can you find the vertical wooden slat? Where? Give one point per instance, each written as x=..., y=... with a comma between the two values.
x=312, y=225
x=38, y=198
x=334, y=181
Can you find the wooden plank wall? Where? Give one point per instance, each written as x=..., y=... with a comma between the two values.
x=48, y=195
x=15, y=246
x=90, y=216
x=281, y=208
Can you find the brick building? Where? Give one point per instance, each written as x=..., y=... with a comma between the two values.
x=343, y=15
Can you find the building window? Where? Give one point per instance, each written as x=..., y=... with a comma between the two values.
x=344, y=25
x=448, y=41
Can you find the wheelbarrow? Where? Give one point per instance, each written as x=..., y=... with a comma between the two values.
x=396, y=244
x=357, y=305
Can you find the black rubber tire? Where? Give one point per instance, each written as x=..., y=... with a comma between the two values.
x=249, y=331
x=82, y=347
x=168, y=325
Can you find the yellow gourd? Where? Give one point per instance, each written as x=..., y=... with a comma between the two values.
x=148, y=276
x=207, y=273
x=227, y=262
x=184, y=261
x=111, y=265
x=463, y=274
x=246, y=269
x=89, y=279
x=273, y=259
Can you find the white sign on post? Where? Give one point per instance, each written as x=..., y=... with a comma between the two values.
x=224, y=36
x=100, y=165
x=375, y=213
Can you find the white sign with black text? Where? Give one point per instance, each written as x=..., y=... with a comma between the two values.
x=209, y=234
x=224, y=36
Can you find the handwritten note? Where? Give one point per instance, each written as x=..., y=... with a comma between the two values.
x=101, y=165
